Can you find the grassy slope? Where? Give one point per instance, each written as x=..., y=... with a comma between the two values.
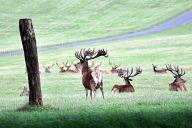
x=64, y=99
x=57, y=21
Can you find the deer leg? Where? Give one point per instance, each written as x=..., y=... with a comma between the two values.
x=101, y=88
x=91, y=94
x=93, y=88
x=86, y=92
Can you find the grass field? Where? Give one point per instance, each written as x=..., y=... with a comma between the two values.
x=61, y=21
x=152, y=105
x=65, y=104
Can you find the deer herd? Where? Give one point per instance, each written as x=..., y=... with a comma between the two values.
x=92, y=76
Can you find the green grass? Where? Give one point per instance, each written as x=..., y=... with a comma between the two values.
x=60, y=21
x=152, y=105
x=65, y=105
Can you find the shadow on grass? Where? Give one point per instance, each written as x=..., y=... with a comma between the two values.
x=117, y=117
x=28, y=108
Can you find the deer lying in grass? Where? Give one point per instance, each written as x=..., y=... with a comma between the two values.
x=47, y=68
x=159, y=70
x=25, y=92
x=91, y=79
x=127, y=87
x=68, y=66
x=61, y=68
x=178, y=83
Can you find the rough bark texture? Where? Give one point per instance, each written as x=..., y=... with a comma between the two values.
x=31, y=60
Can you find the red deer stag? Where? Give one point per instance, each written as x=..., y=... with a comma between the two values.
x=61, y=68
x=127, y=87
x=25, y=92
x=178, y=83
x=68, y=66
x=48, y=67
x=91, y=79
x=159, y=70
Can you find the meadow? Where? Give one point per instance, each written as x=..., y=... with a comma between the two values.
x=65, y=104
x=64, y=21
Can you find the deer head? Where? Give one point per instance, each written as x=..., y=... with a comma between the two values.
x=177, y=72
x=128, y=75
x=85, y=55
x=25, y=92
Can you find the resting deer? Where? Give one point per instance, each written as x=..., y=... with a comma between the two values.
x=68, y=66
x=61, y=68
x=127, y=87
x=178, y=83
x=25, y=92
x=48, y=67
x=91, y=79
x=159, y=70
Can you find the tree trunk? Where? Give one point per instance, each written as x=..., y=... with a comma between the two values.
x=31, y=60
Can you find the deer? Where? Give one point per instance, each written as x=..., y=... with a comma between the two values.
x=91, y=79
x=67, y=65
x=61, y=68
x=25, y=92
x=47, y=68
x=127, y=87
x=178, y=84
x=159, y=70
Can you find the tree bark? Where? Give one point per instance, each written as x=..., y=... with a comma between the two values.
x=31, y=60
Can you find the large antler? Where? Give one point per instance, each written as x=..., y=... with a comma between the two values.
x=130, y=74
x=176, y=71
x=85, y=55
x=138, y=71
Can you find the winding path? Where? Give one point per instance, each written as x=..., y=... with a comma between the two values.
x=180, y=20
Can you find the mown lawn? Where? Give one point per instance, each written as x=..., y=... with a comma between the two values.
x=65, y=105
x=61, y=21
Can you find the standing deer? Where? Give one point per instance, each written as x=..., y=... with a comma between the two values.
x=178, y=83
x=25, y=92
x=68, y=66
x=127, y=87
x=159, y=70
x=48, y=67
x=91, y=79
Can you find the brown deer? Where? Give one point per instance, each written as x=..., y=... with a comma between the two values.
x=91, y=79
x=178, y=83
x=127, y=87
x=159, y=70
x=47, y=68
x=68, y=66
x=61, y=68
x=25, y=92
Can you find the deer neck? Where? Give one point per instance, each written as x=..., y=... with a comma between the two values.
x=127, y=82
x=85, y=67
